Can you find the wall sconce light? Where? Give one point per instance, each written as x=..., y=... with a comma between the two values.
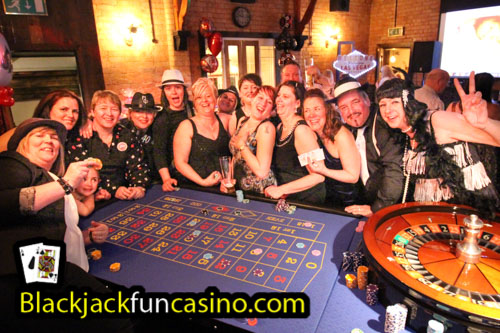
x=129, y=36
x=333, y=38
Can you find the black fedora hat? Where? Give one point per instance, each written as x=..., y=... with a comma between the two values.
x=29, y=124
x=143, y=102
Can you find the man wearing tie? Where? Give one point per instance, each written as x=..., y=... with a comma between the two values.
x=381, y=158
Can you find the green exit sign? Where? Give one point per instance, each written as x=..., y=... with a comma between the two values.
x=25, y=7
x=396, y=31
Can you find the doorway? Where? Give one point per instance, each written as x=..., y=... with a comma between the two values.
x=242, y=56
x=394, y=56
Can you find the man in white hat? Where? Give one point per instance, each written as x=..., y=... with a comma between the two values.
x=176, y=108
x=381, y=157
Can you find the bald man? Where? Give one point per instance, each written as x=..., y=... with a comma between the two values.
x=435, y=83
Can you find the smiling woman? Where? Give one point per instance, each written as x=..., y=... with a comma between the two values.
x=63, y=106
x=200, y=141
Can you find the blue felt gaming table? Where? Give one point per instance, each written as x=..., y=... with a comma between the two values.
x=167, y=242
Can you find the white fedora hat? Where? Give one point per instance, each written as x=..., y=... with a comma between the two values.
x=171, y=76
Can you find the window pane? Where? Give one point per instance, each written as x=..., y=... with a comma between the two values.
x=250, y=52
x=234, y=69
x=267, y=65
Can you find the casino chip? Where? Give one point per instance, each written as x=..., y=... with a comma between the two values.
x=256, y=251
x=89, y=252
x=177, y=189
x=97, y=161
x=208, y=256
x=115, y=267
x=245, y=201
x=316, y=253
x=204, y=212
x=237, y=212
x=196, y=233
x=258, y=272
x=252, y=321
x=300, y=245
x=225, y=262
x=192, y=223
x=96, y=254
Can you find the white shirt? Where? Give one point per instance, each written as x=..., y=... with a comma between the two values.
x=75, y=247
x=428, y=96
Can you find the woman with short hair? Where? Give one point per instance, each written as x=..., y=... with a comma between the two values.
x=200, y=141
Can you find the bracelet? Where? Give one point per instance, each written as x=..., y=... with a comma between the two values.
x=68, y=189
x=241, y=148
x=90, y=236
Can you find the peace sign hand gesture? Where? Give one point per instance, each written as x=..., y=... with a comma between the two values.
x=475, y=109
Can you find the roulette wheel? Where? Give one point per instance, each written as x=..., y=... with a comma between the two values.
x=442, y=261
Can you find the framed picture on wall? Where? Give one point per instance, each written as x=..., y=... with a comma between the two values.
x=25, y=7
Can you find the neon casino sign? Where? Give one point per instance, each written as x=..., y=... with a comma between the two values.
x=355, y=63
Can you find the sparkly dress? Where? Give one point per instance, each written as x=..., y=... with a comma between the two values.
x=247, y=180
x=287, y=168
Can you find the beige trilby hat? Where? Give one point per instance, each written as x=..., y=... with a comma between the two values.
x=171, y=76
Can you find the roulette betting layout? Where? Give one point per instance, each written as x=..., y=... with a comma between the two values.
x=440, y=260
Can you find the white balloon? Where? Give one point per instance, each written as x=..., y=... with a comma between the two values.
x=6, y=69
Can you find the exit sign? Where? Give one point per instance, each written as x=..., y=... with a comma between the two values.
x=25, y=7
x=396, y=31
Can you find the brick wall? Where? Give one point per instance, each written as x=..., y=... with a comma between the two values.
x=352, y=25
x=140, y=66
x=420, y=19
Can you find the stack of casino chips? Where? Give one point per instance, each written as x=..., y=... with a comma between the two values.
x=239, y=196
x=434, y=326
x=282, y=205
x=352, y=260
x=371, y=294
x=351, y=281
x=395, y=318
x=362, y=277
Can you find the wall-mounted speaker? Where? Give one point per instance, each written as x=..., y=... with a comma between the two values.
x=425, y=56
x=339, y=5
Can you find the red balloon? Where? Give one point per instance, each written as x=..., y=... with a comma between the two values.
x=10, y=101
x=209, y=63
x=206, y=27
x=10, y=91
x=215, y=43
x=3, y=92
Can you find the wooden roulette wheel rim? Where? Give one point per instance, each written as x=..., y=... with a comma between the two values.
x=426, y=266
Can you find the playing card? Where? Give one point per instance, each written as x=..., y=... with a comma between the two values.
x=48, y=264
x=311, y=156
x=29, y=259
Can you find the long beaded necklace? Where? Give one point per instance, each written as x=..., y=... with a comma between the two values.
x=406, y=173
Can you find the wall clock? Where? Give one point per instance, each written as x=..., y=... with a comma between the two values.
x=241, y=17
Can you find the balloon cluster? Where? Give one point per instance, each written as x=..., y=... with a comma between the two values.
x=6, y=98
x=209, y=62
x=285, y=41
